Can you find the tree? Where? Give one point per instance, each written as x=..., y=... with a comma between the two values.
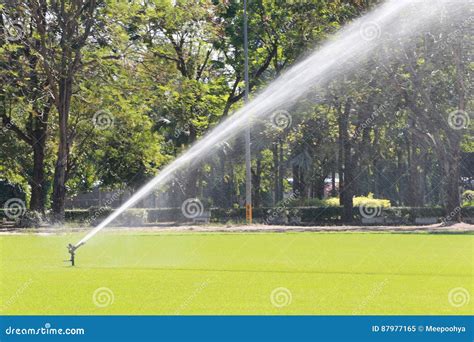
x=25, y=88
x=63, y=28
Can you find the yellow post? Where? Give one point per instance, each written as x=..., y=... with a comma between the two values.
x=248, y=213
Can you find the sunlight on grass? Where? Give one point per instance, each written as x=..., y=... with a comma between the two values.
x=215, y=273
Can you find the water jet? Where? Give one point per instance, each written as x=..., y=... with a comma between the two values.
x=391, y=23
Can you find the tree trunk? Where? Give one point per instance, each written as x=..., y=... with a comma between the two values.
x=256, y=183
x=60, y=172
x=318, y=187
x=451, y=184
x=275, y=173
x=414, y=177
x=281, y=171
x=59, y=184
x=37, y=182
x=333, y=184
x=39, y=133
x=299, y=185
x=346, y=187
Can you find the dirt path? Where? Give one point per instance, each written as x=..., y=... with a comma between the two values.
x=434, y=229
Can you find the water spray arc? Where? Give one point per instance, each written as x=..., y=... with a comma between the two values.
x=400, y=19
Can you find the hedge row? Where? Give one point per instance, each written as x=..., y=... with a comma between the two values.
x=303, y=215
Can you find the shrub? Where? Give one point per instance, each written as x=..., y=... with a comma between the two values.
x=165, y=215
x=31, y=219
x=76, y=215
x=332, y=202
x=304, y=202
x=294, y=215
x=97, y=214
x=358, y=201
x=321, y=215
x=467, y=212
x=468, y=198
x=410, y=214
x=132, y=218
x=370, y=201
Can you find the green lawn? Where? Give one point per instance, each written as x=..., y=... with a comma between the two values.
x=215, y=273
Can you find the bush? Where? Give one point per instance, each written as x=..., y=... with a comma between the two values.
x=91, y=216
x=165, y=215
x=293, y=215
x=467, y=212
x=305, y=202
x=468, y=198
x=238, y=214
x=76, y=215
x=132, y=218
x=408, y=215
x=31, y=219
x=368, y=201
x=321, y=215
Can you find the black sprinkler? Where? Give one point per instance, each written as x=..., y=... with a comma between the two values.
x=72, y=250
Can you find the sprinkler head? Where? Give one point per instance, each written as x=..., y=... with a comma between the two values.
x=72, y=250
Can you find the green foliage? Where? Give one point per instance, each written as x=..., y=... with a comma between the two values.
x=164, y=75
x=308, y=215
x=468, y=198
x=367, y=201
x=370, y=201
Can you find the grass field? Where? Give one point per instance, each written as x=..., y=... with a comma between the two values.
x=219, y=273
